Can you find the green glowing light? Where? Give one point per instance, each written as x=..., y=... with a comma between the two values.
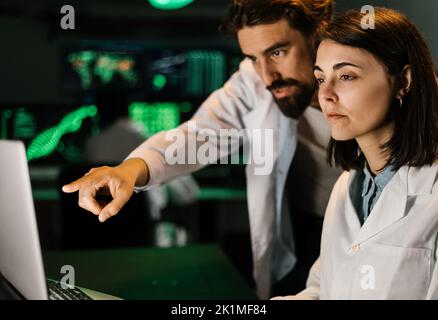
x=81, y=62
x=24, y=124
x=159, y=81
x=92, y=111
x=221, y=194
x=155, y=117
x=170, y=4
x=48, y=140
x=106, y=65
x=206, y=70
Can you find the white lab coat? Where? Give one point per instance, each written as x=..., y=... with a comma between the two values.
x=243, y=103
x=393, y=255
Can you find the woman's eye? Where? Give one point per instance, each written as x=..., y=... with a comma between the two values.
x=346, y=77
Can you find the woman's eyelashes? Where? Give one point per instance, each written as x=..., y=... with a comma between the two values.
x=343, y=77
x=347, y=77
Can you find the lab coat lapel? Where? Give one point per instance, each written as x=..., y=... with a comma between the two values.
x=260, y=194
x=389, y=208
x=351, y=216
x=287, y=146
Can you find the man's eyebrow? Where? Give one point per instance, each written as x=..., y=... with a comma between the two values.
x=275, y=46
x=248, y=56
x=338, y=66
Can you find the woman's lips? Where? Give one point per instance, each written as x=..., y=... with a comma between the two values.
x=333, y=116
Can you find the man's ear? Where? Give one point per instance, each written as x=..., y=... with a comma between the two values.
x=405, y=82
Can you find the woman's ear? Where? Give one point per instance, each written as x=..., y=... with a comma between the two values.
x=405, y=82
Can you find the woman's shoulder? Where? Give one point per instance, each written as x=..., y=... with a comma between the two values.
x=423, y=180
x=344, y=178
x=340, y=188
x=435, y=184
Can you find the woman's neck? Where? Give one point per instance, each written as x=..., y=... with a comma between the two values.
x=370, y=145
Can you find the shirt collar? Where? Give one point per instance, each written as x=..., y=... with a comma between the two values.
x=380, y=181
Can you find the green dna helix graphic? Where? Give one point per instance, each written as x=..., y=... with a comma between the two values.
x=46, y=142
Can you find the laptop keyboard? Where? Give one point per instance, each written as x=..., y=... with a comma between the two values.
x=56, y=292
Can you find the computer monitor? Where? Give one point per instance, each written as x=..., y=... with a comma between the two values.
x=164, y=84
x=149, y=71
x=58, y=133
x=50, y=132
x=20, y=251
x=85, y=70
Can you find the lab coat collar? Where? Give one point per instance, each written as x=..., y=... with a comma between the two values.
x=391, y=207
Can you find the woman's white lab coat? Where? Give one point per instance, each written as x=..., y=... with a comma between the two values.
x=393, y=255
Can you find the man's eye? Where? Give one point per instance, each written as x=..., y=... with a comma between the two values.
x=277, y=53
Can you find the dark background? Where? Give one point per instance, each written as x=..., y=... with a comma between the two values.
x=32, y=63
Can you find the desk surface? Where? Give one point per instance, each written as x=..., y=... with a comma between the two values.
x=191, y=272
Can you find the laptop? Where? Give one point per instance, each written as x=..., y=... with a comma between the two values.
x=21, y=264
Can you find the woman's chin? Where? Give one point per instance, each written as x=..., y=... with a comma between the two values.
x=341, y=136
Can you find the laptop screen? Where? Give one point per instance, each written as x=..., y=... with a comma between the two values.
x=20, y=252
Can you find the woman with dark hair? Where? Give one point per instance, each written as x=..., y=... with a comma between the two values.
x=378, y=92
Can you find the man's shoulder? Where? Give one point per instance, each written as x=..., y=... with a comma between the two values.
x=247, y=68
x=247, y=78
x=245, y=88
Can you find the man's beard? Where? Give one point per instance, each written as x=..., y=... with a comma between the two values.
x=294, y=105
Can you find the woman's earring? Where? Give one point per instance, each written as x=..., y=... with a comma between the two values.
x=401, y=102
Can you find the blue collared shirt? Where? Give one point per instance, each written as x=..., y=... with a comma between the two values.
x=365, y=190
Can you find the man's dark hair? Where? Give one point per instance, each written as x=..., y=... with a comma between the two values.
x=306, y=16
x=396, y=43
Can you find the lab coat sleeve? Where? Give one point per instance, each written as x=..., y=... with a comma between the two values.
x=223, y=109
x=312, y=286
x=432, y=293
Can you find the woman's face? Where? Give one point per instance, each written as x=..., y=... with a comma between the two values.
x=355, y=91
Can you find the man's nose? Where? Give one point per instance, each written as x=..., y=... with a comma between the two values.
x=269, y=73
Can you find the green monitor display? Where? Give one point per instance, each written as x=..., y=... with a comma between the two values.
x=88, y=70
x=58, y=134
x=156, y=73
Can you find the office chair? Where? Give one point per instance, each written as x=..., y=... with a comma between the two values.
x=81, y=229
